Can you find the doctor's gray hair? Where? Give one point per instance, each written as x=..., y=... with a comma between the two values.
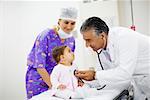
x=96, y=24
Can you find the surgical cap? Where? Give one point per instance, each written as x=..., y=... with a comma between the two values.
x=69, y=13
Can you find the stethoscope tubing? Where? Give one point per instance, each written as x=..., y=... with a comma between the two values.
x=98, y=54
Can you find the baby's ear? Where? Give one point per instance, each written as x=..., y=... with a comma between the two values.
x=61, y=58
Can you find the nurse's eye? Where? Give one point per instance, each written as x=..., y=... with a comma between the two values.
x=66, y=22
x=73, y=23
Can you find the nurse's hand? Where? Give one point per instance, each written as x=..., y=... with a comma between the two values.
x=50, y=86
x=87, y=75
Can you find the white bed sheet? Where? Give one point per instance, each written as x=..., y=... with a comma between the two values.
x=104, y=95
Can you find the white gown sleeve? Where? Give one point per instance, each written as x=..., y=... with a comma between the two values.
x=55, y=77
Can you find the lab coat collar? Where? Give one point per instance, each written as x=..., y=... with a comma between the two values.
x=110, y=45
x=109, y=41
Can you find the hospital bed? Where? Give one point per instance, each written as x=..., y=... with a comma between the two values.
x=106, y=95
x=124, y=95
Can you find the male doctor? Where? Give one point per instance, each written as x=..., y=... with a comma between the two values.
x=127, y=50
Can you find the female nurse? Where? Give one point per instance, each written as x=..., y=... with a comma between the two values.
x=40, y=61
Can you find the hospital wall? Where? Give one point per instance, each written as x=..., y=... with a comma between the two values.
x=149, y=17
x=1, y=54
x=20, y=23
x=141, y=14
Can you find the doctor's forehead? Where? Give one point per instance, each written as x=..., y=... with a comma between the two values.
x=88, y=34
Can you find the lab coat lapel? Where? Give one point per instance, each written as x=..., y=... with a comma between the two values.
x=110, y=47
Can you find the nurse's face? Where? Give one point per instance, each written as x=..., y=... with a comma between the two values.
x=94, y=41
x=66, y=25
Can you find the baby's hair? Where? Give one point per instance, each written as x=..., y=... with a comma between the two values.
x=57, y=52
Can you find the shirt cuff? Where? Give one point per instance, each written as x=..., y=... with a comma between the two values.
x=95, y=75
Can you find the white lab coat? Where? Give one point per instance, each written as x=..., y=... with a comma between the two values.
x=130, y=60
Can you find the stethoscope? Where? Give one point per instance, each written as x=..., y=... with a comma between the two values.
x=98, y=55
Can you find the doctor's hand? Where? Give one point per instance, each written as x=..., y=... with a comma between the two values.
x=87, y=75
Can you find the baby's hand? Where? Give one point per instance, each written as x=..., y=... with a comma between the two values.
x=61, y=87
x=80, y=83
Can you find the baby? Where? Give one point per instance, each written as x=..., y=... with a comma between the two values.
x=65, y=84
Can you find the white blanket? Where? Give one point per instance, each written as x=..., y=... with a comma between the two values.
x=105, y=95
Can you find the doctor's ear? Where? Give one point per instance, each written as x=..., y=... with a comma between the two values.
x=102, y=35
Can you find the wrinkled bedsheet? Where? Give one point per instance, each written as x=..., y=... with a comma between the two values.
x=104, y=95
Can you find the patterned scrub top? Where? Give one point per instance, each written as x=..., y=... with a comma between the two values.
x=41, y=57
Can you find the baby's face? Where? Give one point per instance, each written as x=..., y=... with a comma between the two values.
x=68, y=54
